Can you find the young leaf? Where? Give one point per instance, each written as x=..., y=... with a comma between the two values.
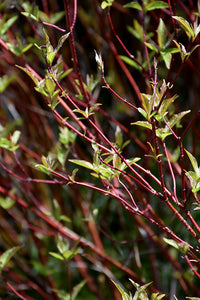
x=176, y=118
x=162, y=34
x=69, y=254
x=7, y=202
x=144, y=124
x=186, y=26
x=15, y=137
x=31, y=75
x=77, y=288
x=56, y=255
x=7, y=24
x=5, y=82
x=124, y=295
x=194, y=163
x=118, y=137
x=82, y=163
x=130, y=62
x=151, y=47
x=141, y=292
x=156, y=296
x=183, y=248
x=106, y=3
x=133, y=5
x=155, y=5
x=7, y=255
x=50, y=85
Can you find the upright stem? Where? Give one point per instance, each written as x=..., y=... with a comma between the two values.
x=72, y=47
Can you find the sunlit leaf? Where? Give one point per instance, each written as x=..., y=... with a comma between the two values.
x=106, y=3
x=82, y=163
x=77, y=288
x=133, y=5
x=7, y=255
x=5, y=82
x=130, y=62
x=155, y=5
x=152, y=47
x=144, y=124
x=15, y=137
x=7, y=202
x=162, y=34
x=124, y=295
x=8, y=24
x=56, y=255
x=157, y=296
x=194, y=163
x=31, y=75
x=186, y=26
x=183, y=248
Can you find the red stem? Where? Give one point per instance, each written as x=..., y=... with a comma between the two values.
x=15, y=292
x=73, y=49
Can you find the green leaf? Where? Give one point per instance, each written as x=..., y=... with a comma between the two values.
x=73, y=174
x=151, y=47
x=182, y=247
x=5, y=82
x=68, y=254
x=133, y=5
x=29, y=15
x=56, y=17
x=144, y=124
x=162, y=133
x=7, y=255
x=148, y=101
x=165, y=104
x=124, y=295
x=10, y=144
x=118, y=137
x=66, y=136
x=15, y=137
x=8, y=24
x=63, y=295
x=176, y=118
x=141, y=292
x=65, y=218
x=186, y=27
x=143, y=112
x=26, y=48
x=50, y=85
x=42, y=168
x=194, y=163
x=77, y=288
x=61, y=41
x=167, y=57
x=155, y=5
x=6, y=203
x=50, y=57
x=161, y=34
x=15, y=49
x=31, y=75
x=56, y=255
x=136, y=30
x=106, y=3
x=130, y=161
x=130, y=62
x=157, y=296
x=191, y=51
x=82, y=163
